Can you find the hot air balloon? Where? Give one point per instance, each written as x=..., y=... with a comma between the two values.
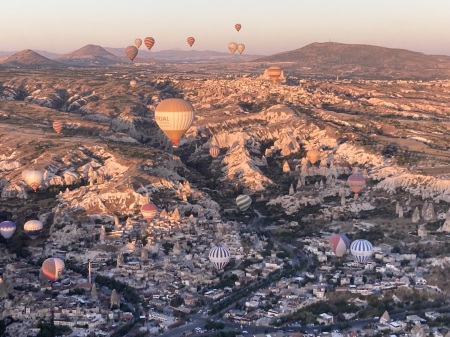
x=356, y=182
x=58, y=126
x=214, y=151
x=33, y=228
x=243, y=202
x=240, y=48
x=7, y=229
x=52, y=268
x=219, y=256
x=138, y=42
x=149, y=211
x=131, y=52
x=232, y=46
x=361, y=250
x=238, y=26
x=174, y=116
x=190, y=41
x=339, y=244
x=133, y=83
x=313, y=156
x=34, y=178
x=274, y=73
x=149, y=42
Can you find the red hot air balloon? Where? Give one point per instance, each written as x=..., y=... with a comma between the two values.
x=131, y=52
x=149, y=211
x=58, y=126
x=339, y=244
x=214, y=151
x=190, y=41
x=238, y=26
x=149, y=42
x=356, y=182
x=52, y=268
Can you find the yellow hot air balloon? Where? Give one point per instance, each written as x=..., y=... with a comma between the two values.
x=174, y=117
x=232, y=46
x=240, y=48
x=137, y=42
x=274, y=73
x=33, y=178
x=313, y=156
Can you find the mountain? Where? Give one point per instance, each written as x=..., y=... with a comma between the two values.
x=350, y=60
x=30, y=59
x=90, y=56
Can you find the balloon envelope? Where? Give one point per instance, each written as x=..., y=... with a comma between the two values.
x=174, y=117
x=339, y=244
x=361, y=250
x=149, y=42
x=313, y=156
x=7, y=229
x=131, y=52
x=274, y=73
x=58, y=126
x=240, y=48
x=232, y=47
x=138, y=42
x=214, y=151
x=238, y=26
x=149, y=211
x=52, y=268
x=34, y=178
x=219, y=256
x=243, y=202
x=356, y=182
x=33, y=228
x=190, y=41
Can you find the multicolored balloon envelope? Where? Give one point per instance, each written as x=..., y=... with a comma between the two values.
x=238, y=26
x=356, y=182
x=190, y=41
x=361, y=250
x=149, y=211
x=219, y=256
x=52, y=268
x=274, y=73
x=149, y=42
x=7, y=229
x=243, y=202
x=214, y=151
x=33, y=228
x=339, y=244
x=34, y=178
x=313, y=156
x=58, y=126
x=131, y=52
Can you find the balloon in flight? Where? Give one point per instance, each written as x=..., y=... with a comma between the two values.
x=240, y=48
x=232, y=47
x=149, y=211
x=33, y=178
x=274, y=73
x=52, y=268
x=33, y=228
x=174, y=117
x=243, y=202
x=7, y=229
x=58, y=126
x=339, y=244
x=133, y=83
x=219, y=256
x=214, y=151
x=361, y=250
x=238, y=26
x=149, y=42
x=356, y=182
x=190, y=41
x=131, y=52
x=313, y=156
x=138, y=42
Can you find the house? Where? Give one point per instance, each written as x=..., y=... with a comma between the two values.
x=325, y=319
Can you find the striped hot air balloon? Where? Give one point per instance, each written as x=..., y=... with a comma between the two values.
x=7, y=229
x=361, y=250
x=214, y=151
x=240, y=48
x=339, y=244
x=174, y=117
x=131, y=52
x=274, y=73
x=238, y=26
x=138, y=43
x=219, y=256
x=52, y=268
x=232, y=47
x=58, y=126
x=313, y=156
x=243, y=202
x=34, y=178
x=149, y=211
x=356, y=182
x=33, y=228
x=149, y=42
x=190, y=41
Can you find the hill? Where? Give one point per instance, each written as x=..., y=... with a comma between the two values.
x=90, y=56
x=30, y=59
x=352, y=60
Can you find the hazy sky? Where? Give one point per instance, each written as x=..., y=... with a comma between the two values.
x=267, y=26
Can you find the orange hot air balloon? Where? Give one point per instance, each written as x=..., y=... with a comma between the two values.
x=138, y=42
x=149, y=211
x=274, y=73
x=58, y=126
x=131, y=52
x=149, y=42
x=214, y=151
x=52, y=268
x=232, y=46
x=313, y=156
x=356, y=182
x=174, y=117
x=190, y=41
x=240, y=48
x=238, y=26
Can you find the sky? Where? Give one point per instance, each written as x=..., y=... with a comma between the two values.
x=268, y=27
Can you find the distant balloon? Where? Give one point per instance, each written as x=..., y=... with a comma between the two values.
x=339, y=244
x=138, y=42
x=219, y=256
x=149, y=42
x=274, y=73
x=33, y=228
x=7, y=229
x=131, y=52
x=356, y=182
x=232, y=46
x=238, y=26
x=361, y=250
x=133, y=83
x=52, y=268
x=149, y=211
x=313, y=156
x=214, y=151
x=240, y=48
x=243, y=202
x=190, y=41
x=58, y=126
x=174, y=116
x=34, y=178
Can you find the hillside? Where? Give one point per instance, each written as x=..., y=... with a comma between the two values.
x=30, y=59
x=351, y=60
x=90, y=55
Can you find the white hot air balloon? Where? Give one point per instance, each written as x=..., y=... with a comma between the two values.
x=361, y=250
x=7, y=229
x=240, y=48
x=232, y=47
x=34, y=178
x=33, y=228
x=52, y=268
x=219, y=256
